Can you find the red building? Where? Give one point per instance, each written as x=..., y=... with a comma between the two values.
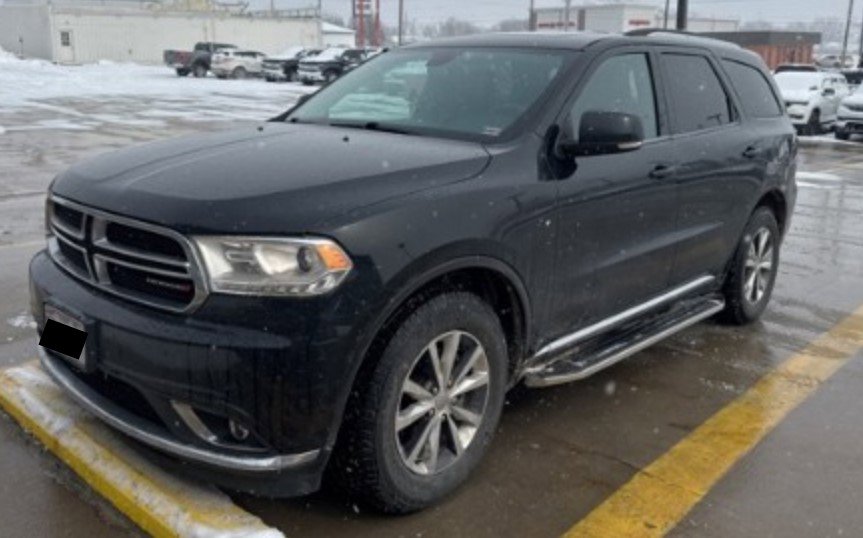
x=775, y=47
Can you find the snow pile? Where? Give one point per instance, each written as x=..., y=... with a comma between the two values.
x=6, y=56
x=36, y=94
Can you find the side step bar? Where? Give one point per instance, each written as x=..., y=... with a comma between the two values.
x=575, y=367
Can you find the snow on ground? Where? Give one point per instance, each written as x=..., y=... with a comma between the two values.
x=39, y=95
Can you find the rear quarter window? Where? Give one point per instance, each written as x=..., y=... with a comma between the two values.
x=696, y=94
x=754, y=90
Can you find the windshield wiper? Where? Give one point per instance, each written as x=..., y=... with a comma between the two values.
x=373, y=126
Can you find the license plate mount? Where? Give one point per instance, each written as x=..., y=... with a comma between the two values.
x=66, y=335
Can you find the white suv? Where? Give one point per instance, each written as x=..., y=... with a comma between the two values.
x=812, y=99
x=236, y=63
x=850, y=120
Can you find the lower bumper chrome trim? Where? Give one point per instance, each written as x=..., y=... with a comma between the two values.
x=151, y=435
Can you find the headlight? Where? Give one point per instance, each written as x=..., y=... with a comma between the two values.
x=273, y=266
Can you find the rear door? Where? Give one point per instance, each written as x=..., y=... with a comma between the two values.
x=616, y=213
x=720, y=162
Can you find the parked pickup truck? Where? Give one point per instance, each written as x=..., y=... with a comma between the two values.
x=197, y=61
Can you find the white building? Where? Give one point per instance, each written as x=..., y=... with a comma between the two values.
x=82, y=32
x=337, y=36
x=620, y=18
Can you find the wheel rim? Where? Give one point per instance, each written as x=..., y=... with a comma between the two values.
x=442, y=402
x=758, y=270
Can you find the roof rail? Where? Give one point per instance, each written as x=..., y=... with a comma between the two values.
x=647, y=31
x=642, y=32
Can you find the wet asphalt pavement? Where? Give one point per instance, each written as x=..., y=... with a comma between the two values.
x=559, y=451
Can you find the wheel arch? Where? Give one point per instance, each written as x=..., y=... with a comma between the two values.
x=775, y=200
x=490, y=278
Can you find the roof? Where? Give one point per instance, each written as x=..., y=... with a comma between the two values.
x=574, y=40
x=767, y=37
x=330, y=28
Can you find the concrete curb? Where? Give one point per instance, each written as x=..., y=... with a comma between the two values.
x=161, y=504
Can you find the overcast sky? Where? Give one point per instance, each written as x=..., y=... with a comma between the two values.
x=488, y=12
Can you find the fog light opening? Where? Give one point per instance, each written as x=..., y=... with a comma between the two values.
x=238, y=431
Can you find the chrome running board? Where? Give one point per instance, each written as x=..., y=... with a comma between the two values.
x=622, y=317
x=573, y=367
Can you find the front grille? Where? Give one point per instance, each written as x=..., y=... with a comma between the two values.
x=135, y=260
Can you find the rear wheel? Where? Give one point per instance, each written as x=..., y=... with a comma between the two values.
x=199, y=71
x=814, y=125
x=293, y=76
x=750, y=281
x=425, y=415
x=330, y=76
x=842, y=135
x=181, y=72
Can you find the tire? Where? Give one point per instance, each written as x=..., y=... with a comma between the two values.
x=239, y=73
x=182, y=72
x=330, y=76
x=842, y=135
x=292, y=75
x=814, y=125
x=379, y=463
x=199, y=71
x=746, y=296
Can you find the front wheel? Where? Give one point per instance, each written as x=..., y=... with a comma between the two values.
x=814, y=125
x=239, y=73
x=425, y=415
x=199, y=71
x=841, y=135
x=750, y=280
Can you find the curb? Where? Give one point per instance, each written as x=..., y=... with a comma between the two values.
x=161, y=504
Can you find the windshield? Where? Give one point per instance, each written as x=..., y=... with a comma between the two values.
x=289, y=53
x=797, y=81
x=326, y=54
x=476, y=92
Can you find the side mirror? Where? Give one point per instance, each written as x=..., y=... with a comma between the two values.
x=603, y=133
x=829, y=92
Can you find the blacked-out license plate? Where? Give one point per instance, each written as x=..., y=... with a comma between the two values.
x=66, y=335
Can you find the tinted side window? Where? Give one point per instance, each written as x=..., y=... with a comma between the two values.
x=695, y=94
x=621, y=84
x=754, y=90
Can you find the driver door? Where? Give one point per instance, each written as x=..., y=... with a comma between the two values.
x=616, y=213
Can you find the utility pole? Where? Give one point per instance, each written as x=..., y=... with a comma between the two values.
x=665, y=18
x=847, y=31
x=860, y=48
x=566, y=15
x=531, y=18
x=401, y=20
x=682, y=14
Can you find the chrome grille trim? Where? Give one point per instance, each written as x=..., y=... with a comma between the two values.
x=98, y=251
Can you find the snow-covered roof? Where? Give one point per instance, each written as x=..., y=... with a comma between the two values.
x=330, y=28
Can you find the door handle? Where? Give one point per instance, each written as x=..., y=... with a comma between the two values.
x=662, y=171
x=751, y=152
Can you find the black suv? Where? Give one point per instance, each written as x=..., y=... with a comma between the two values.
x=329, y=64
x=355, y=284
x=284, y=66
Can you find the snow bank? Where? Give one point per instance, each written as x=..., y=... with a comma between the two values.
x=62, y=97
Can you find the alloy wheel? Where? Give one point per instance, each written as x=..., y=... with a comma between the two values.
x=442, y=404
x=758, y=268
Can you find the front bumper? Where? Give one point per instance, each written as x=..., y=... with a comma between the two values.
x=311, y=76
x=229, y=361
x=849, y=122
x=274, y=74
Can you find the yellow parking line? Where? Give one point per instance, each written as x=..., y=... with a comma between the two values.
x=161, y=504
x=660, y=495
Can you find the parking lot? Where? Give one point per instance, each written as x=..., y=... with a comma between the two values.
x=774, y=404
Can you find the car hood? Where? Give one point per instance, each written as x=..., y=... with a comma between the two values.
x=277, y=178
x=797, y=96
